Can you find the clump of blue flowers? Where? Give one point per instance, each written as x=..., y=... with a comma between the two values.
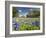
x=16, y=26
x=37, y=23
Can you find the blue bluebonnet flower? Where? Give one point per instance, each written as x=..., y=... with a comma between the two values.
x=33, y=23
x=16, y=25
x=37, y=23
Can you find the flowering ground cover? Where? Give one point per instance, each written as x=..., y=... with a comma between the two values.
x=26, y=25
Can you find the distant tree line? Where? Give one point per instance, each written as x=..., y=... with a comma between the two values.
x=33, y=14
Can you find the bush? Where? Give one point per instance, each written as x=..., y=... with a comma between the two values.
x=28, y=27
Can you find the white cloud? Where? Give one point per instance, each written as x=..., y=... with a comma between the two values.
x=20, y=10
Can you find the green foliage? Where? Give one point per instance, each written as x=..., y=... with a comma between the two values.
x=33, y=14
x=22, y=26
x=28, y=27
x=15, y=12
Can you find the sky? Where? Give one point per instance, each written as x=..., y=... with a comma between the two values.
x=23, y=11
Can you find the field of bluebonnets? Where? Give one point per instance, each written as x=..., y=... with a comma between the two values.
x=24, y=18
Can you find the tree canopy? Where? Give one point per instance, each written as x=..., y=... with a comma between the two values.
x=15, y=12
x=33, y=14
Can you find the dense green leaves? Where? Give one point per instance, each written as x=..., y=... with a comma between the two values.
x=15, y=12
x=28, y=27
x=33, y=14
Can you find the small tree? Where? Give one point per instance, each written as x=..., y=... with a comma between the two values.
x=15, y=12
